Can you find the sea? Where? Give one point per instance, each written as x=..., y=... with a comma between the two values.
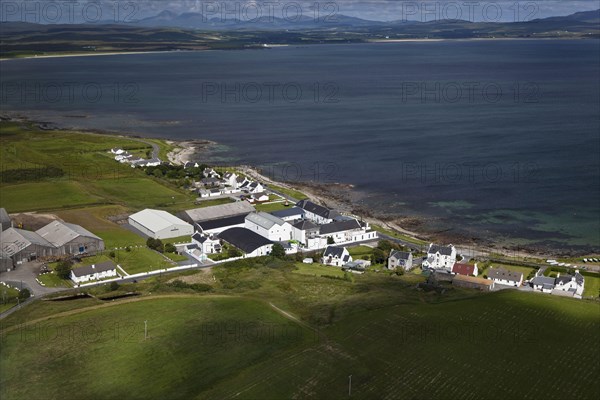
x=484, y=138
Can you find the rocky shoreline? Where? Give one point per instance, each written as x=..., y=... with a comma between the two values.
x=338, y=196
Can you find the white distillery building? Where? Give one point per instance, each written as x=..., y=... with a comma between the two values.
x=159, y=224
x=269, y=226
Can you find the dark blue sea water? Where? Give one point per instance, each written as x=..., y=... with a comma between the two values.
x=488, y=138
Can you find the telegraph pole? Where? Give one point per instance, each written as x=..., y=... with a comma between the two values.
x=145, y=330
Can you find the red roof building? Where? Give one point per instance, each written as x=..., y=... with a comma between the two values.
x=465, y=269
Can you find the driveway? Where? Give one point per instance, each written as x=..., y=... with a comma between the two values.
x=25, y=274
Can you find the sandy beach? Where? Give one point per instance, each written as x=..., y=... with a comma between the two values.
x=116, y=53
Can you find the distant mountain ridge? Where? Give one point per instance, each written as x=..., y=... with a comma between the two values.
x=191, y=20
x=195, y=32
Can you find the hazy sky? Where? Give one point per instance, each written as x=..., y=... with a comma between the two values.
x=53, y=11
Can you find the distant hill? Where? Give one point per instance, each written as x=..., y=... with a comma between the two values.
x=192, y=31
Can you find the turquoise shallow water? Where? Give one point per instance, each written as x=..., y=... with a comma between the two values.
x=492, y=138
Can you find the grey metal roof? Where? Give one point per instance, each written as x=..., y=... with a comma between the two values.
x=317, y=209
x=264, y=220
x=305, y=225
x=58, y=233
x=216, y=212
x=400, y=255
x=543, y=280
x=339, y=226
x=288, y=212
x=93, y=268
x=14, y=240
x=4, y=219
x=500, y=273
x=436, y=248
x=244, y=239
x=579, y=278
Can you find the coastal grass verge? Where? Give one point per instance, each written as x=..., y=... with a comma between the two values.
x=386, y=231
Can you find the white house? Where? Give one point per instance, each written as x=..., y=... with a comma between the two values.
x=117, y=151
x=94, y=272
x=336, y=256
x=317, y=213
x=230, y=178
x=209, y=173
x=258, y=197
x=544, y=284
x=504, y=277
x=207, y=244
x=347, y=231
x=402, y=259
x=251, y=243
x=440, y=257
x=570, y=283
x=214, y=192
x=269, y=226
x=255, y=187
x=160, y=224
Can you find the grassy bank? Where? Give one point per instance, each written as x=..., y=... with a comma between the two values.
x=395, y=341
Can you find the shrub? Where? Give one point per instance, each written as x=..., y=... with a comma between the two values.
x=170, y=248
x=112, y=254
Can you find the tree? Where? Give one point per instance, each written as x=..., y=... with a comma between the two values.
x=378, y=256
x=170, y=248
x=112, y=254
x=157, y=173
x=278, y=251
x=330, y=240
x=63, y=269
x=155, y=244
x=113, y=286
x=24, y=294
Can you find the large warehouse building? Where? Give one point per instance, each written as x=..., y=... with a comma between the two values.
x=159, y=224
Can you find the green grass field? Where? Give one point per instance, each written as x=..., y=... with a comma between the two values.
x=318, y=270
x=396, y=341
x=42, y=196
x=95, y=219
x=526, y=271
x=141, y=259
x=8, y=297
x=272, y=207
x=591, y=287
x=86, y=173
x=193, y=344
x=52, y=280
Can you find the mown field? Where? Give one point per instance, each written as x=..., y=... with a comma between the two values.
x=397, y=342
x=51, y=170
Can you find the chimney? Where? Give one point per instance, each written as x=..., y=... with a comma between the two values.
x=93, y=265
x=558, y=275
